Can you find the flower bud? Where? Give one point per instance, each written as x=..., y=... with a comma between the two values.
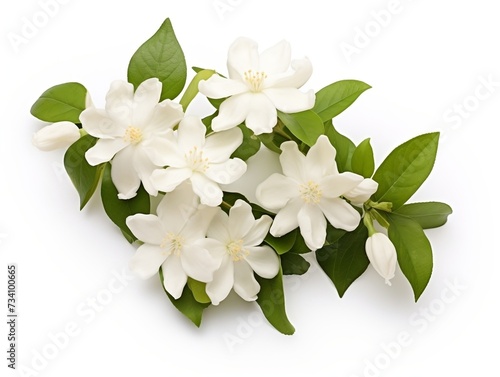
x=382, y=255
x=362, y=192
x=55, y=136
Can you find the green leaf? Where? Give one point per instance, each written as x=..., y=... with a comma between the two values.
x=299, y=247
x=250, y=145
x=63, y=102
x=405, y=169
x=343, y=145
x=428, y=214
x=344, y=260
x=192, y=89
x=306, y=125
x=414, y=251
x=363, y=162
x=187, y=304
x=282, y=244
x=199, y=291
x=118, y=210
x=230, y=198
x=85, y=177
x=336, y=97
x=160, y=56
x=271, y=300
x=271, y=141
x=294, y=264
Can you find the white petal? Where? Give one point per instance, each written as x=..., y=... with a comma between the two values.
x=293, y=162
x=258, y=232
x=312, y=224
x=287, y=218
x=232, y=112
x=241, y=220
x=168, y=179
x=197, y=227
x=104, y=150
x=198, y=263
x=276, y=191
x=302, y=72
x=226, y=172
x=320, y=159
x=361, y=193
x=147, y=228
x=120, y=102
x=218, y=228
x=191, y=133
x=220, y=87
x=166, y=115
x=263, y=261
x=146, y=98
x=276, y=59
x=290, y=100
x=99, y=124
x=218, y=289
x=262, y=115
x=245, y=284
x=144, y=168
x=336, y=185
x=123, y=175
x=209, y=192
x=339, y=213
x=216, y=248
x=147, y=260
x=219, y=146
x=164, y=151
x=55, y=136
x=243, y=55
x=174, y=277
x=382, y=255
x=177, y=207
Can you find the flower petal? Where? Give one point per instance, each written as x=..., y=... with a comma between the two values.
x=382, y=255
x=168, y=179
x=263, y=261
x=197, y=227
x=262, y=115
x=55, y=136
x=258, y=232
x=191, y=133
x=276, y=191
x=340, y=213
x=99, y=124
x=218, y=289
x=290, y=100
x=320, y=159
x=177, y=207
x=198, y=263
x=287, y=218
x=104, y=150
x=312, y=224
x=146, y=98
x=220, y=87
x=361, y=193
x=144, y=168
x=147, y=260
x=302, y=71
x=276, y=59
x=232, y=112
x=241, y=220
x=209, y=192
x=174, y=277
x=147, y=228
x=163, y=151
x=123, y=175
x=226, y=172
x=293, y=162
x=336, y=185
x=166, y=115
x=120, y=102
x=245, y=284
x=243, y=55
x=219, y=146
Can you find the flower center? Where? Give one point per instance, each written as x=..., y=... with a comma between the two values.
x=196, y=161
x=133, y=135
x=310, y=192
x=173, y=243
x=255, y=79
x=236, y=250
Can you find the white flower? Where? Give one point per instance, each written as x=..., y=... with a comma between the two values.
x=382, y=255
x=173, y=240
x=126, y=128
x=205, y=162
x=361, y=193
x=55, y=136
x=309, y=190
x=234, y=240
x=258, y=84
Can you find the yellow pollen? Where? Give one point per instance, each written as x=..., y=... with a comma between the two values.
x=133, y=135
x=197, y=162
x=255, y=79
x=172, y=243
x=310, y=192
x=235, y=249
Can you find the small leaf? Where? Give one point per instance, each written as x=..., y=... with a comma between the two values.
x=271, y=141
x=306, y=125
x=199, y=291
x=250, y=145
x=335, y=98
x=343, y=145
x=160, y=56
x=363, y=162
x=294, y=264
x=63, y=102
x=85, y=177
x=230, y=198
x=405, y=169
x=118, y=210
x=344, y=260
x=428, y=215
x=271, y=300
x=414, y=251
x=187, y=304
x=282, y=244
x=192, y=89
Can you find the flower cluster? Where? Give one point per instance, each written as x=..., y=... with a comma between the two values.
x=203, y=237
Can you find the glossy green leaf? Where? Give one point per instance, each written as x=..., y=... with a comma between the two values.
x=343, y=145
x=307, y=126
x=187, y=304
x=299, y=247
x=428, y=214
x=335, y=98
x=414, y=251
x=117, y=209
x=249, y=147
x=85, y=177
x=271, y=141
x=160, y=56
x=294, y=264
x=362, y=162
x=405, y=169
x=192, y=89
x=230, y=198
x=63, y=102
x=282, y=244
x=344, y=260
x=199, y=291
x=271, y=300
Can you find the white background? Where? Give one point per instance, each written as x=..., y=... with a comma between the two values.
x=424, y=59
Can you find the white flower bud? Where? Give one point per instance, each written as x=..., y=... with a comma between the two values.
x=55, y=136
x=382, y=255
x=362, y=192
